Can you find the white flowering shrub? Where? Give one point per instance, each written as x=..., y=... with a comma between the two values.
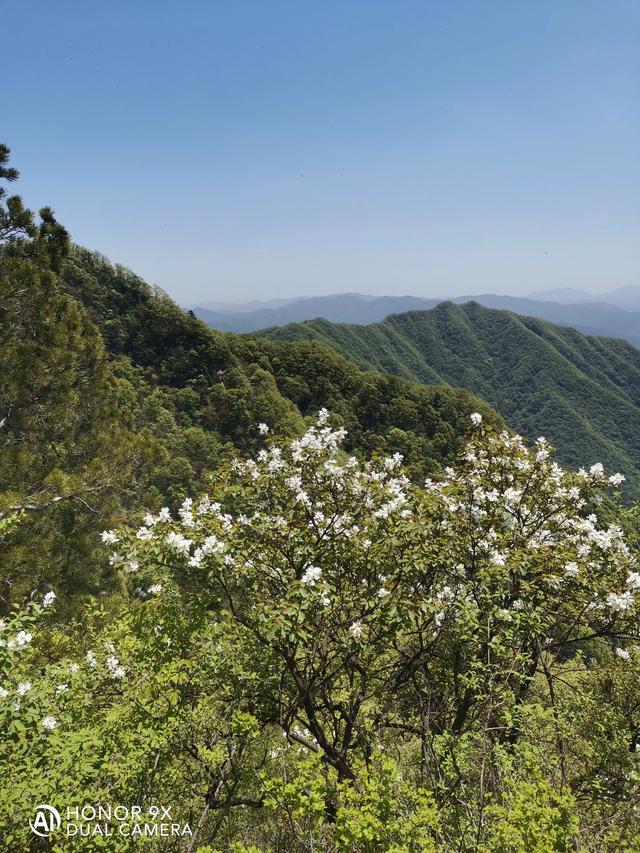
x=321, y=649
x=16, y=635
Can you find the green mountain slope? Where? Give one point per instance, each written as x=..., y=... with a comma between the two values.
x=226, y=384
x=582, y=392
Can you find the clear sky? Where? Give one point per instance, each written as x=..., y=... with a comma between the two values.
x=230, y=150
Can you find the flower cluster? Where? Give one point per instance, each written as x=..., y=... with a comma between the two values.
x=525, y=545
x=306, y=536
x=16, y=636
x=302, y=511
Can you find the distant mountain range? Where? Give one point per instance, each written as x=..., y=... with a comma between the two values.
x=339, y=307
x=583, y=311
x=627, y=298
x=581, y=392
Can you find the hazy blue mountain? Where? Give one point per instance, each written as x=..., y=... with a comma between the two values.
x=626, y=298
x=223, y=307
x=593, y=318
x=564, y=295
x=340, y=308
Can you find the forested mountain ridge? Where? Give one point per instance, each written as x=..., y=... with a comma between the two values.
x=593, y=318
x=229, y=383
x=113, y=397
x=581, y=392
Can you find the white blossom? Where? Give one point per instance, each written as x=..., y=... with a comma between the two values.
x=178, y=542
x=356, y=630
x=311, y=576
x=633, y=580
x=212, y=545
x=109, y=537
x=572, y=570
x=49, y=598
x=144, y=534
x=392, y=462
x=20, y=641
x=619, y=603
x=49, y=723
x=113, y=665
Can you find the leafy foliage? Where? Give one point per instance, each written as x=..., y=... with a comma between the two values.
x=319, y=653
x=323, y=650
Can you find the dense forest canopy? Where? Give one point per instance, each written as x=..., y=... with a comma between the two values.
x=582, y=392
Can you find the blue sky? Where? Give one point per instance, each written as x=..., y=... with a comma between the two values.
x=235, y=150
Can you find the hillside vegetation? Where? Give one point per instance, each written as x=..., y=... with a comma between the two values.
x=222, y=609
x=226, y=384
x=581, y=392
x=130, y=400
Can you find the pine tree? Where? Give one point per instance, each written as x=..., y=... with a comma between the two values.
x=65, y=450
x=46, y=240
